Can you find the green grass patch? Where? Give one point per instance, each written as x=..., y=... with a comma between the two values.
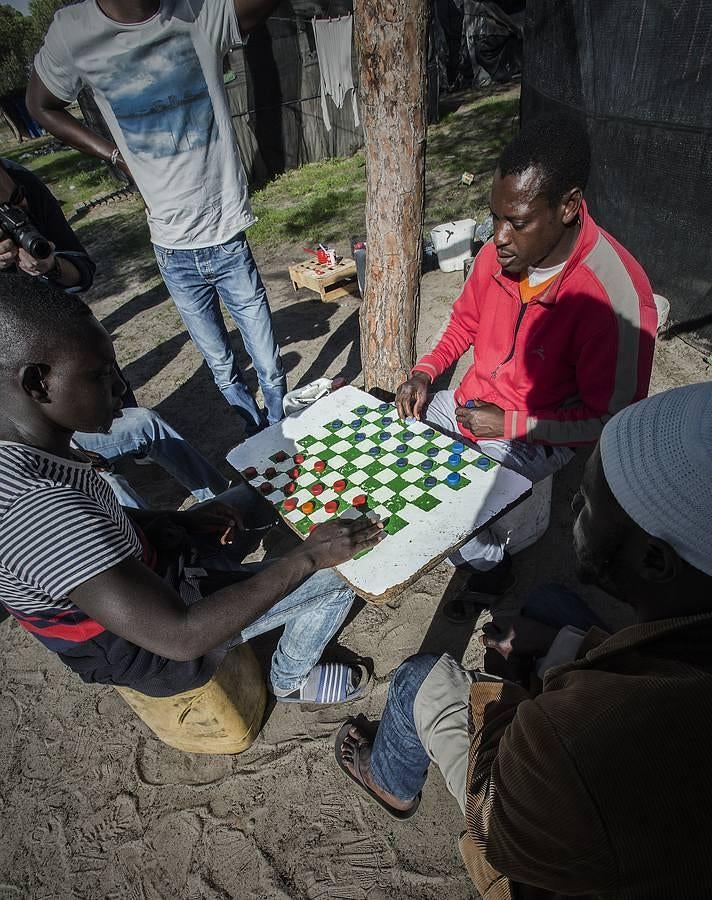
x=322, y=201
x=325, y=201
x=72, y=177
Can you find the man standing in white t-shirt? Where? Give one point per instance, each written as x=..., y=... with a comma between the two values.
x=156, y=70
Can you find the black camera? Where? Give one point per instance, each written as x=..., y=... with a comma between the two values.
x=15, y=223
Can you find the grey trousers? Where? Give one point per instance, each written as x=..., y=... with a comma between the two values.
x=534, y=461
x=440, y=713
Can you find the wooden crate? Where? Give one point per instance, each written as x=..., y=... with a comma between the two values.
x=330, y=282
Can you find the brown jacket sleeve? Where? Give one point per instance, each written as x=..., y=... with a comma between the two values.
x=529, y=815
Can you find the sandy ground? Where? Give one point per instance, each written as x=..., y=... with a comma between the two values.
x=93, y=806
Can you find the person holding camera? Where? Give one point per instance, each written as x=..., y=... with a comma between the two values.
x=35, y=238
x=32, y=227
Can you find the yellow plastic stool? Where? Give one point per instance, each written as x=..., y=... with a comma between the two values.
x=222, y=716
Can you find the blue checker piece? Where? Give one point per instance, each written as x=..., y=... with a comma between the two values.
x=453, y=478
x=454, y=459
x=427, y=464
x=408, y=435
x=337, y=423
x=401, y=463
x=457, y=447
x=428, y=433
x=375, y=451
x=384, y=436
x=401, y=448
x=383, y=406
x=432, y=451
x=386, y=420
x=483, y=463
x=360, y=436
x=361, y=411
x=430, y=481
x=356, y=423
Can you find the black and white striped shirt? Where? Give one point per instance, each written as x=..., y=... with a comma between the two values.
x=60, y=525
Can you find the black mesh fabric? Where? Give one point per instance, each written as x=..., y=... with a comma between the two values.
x=640, y=76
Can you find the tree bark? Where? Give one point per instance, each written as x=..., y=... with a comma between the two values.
x=391, y=37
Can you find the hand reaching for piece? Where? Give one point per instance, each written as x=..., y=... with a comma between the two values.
x=484, y=420
x=412, y=395
x=338, y=541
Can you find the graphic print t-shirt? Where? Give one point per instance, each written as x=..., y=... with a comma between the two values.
x=159, y=85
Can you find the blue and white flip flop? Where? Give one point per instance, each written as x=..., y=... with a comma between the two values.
x=330, y=683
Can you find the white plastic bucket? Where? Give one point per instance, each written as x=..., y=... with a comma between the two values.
x=452, y=242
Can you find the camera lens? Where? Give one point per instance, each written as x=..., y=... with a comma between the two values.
x=36, y=246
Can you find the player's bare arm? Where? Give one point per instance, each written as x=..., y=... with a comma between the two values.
x=412, y=395
x=133, y=602
x=52, y=114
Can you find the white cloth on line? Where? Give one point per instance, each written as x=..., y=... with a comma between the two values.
x=333, y=49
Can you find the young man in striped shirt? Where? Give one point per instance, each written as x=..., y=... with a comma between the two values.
x=116, y=593
x=561, y=319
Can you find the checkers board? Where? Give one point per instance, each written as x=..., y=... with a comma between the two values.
x=349, y=455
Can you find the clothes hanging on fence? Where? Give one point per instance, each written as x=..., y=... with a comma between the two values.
x=333, y=49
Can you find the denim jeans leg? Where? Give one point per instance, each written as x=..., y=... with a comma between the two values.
x=311, y=615
x=125, y=494
x=399, y=763
x=240, y=287
x=142, y=432
x=198, y=303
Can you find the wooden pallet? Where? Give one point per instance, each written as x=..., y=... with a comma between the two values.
x=328, y=281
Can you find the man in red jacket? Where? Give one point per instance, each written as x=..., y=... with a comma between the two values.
x=562, y=322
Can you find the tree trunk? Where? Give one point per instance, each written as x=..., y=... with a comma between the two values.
x=391, y=40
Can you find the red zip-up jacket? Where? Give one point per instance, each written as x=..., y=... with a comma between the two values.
x=564, y=363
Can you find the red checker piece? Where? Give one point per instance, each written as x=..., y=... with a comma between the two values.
x=266, y=488
x=249, y=473
x=308, y=507
x=295, y=472
x=331, y=506
x=280, y=456
x=271, y=472
x=339, y=486
x=289, y=488
x=289, y=504
x=316, y=489
x=359, y=500
x=298, y=458
x=319, y=465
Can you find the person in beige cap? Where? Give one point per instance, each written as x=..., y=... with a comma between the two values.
x=599, y=784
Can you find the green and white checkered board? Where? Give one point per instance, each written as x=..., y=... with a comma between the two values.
x=378, y=456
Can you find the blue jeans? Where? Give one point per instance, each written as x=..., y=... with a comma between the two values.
x=399, y=762
x=311, y=615
x=142, y=432
x=198, y=280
